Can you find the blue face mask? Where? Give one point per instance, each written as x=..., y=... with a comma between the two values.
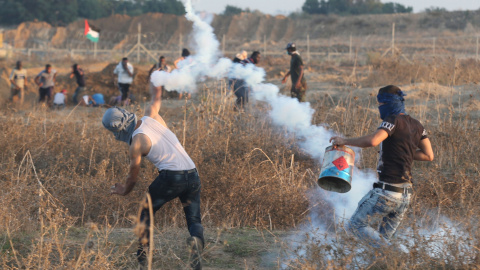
x=393, y=104
x=289, y=53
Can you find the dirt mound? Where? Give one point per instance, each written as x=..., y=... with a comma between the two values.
x=166, y=31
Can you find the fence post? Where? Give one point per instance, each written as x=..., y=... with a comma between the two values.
x=223, y=45
x=265, y=45
x=308, y=48
x=434, y=43
x=29, y=53
x=350, y=48
x=393, y=40
x=139, y=41
x=180, y=45
x=476, y=51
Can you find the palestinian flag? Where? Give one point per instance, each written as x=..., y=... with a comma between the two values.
x=91, y=32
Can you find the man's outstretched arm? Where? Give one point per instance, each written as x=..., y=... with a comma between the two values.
x=370, y=140
x=134, y=169
x=153, y=108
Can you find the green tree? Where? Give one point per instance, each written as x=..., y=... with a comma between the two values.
x=311, y=7
x=232, y=10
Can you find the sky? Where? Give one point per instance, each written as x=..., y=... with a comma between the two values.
x=287, y=6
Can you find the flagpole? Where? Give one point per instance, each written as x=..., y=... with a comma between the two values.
x=95, y=50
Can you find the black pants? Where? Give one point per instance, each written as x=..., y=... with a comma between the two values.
x=124, y=88
x=170, y=185
x=241, y=90
x=45, y=94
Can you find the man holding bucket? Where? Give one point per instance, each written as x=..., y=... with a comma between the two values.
x=402, y=140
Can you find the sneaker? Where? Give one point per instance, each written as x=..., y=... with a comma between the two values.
x=195, y=246
x=142, y=258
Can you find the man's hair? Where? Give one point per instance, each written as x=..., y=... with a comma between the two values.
x=48, y=66
x=124, y=59
x=390, y=89
x=18, y=64
x=255, y=54
x=161, y=58
x=185, y=52
x=75, y=66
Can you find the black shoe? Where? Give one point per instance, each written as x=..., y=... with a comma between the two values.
x=195, y=246
x=142, y=258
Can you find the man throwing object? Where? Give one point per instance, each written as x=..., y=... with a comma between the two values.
x=178, y=176
x=402, y=140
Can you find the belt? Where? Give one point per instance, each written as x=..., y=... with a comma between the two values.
x=179, y=172
x=407, y=190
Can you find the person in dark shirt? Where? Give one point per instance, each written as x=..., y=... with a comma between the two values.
x=296, y=72
x=240, y=87
x=402, y=140
x=80, y=77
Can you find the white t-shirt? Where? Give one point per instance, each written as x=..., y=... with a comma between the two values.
x=123, y=76
x=18, y=76
x=166, y=152
x=59, y=99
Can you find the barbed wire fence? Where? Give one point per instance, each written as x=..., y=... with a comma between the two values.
x=148, y=46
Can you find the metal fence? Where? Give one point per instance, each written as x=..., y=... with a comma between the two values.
x=148, y=47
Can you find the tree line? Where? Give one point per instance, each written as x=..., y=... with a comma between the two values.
x=353, y=7
x=63, y=12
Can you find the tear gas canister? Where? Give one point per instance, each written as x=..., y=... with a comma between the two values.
x=337, y=169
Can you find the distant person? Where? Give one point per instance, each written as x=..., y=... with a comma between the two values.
x=80, y=77
x=59, y=99
x=161, y=65
x=124, y=71
x=402, y=140
x=18, y=80
x=98, y=99
x=185, y=54
x=46, y=81
x=117, y=100
x=240, y=87
x=239, y=57
x=87, y=101
x=296, y=72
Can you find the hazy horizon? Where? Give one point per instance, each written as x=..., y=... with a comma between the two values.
x=288, y=6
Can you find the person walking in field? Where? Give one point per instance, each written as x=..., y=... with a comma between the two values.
x=178, y=177
x=46, y=81
x=18, y=80
x=402, y=140
x=79, y=75
x=296, y=72
x=124, y=71
x=240, y=87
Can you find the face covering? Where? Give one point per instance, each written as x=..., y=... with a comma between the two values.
x=121, y=122
x=393, y=104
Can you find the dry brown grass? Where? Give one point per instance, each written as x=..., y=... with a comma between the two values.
x=56, y=168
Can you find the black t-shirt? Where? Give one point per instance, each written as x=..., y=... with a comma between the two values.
x=295, y=63
x=80, y=77
x=397, y=151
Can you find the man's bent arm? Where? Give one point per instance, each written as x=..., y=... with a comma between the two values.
x=134, y=169
x=425, y=151
x=370, y=140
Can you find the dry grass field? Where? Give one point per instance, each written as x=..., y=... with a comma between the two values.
x=260, y=203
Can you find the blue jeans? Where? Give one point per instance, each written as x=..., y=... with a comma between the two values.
x=77, y=93
x=381, y=208
x=170, y=185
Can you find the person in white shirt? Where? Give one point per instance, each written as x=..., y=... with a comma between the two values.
x=18, y=79
x=59, y=99
x=124, y=71
x=178, y=177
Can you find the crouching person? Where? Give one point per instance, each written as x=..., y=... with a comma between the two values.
x=177, y=175
x=402, y=140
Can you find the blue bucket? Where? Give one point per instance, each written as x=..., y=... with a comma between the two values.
x=337, y=169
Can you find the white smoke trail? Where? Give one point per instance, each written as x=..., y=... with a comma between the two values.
x=285, y=111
